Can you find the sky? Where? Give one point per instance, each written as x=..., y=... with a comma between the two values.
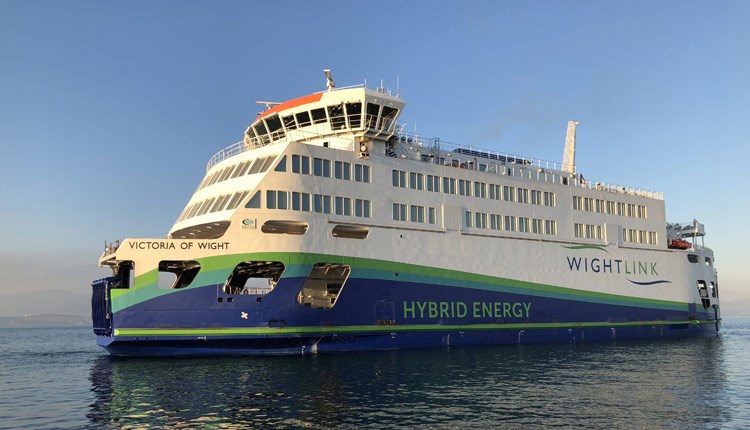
x=109, y=111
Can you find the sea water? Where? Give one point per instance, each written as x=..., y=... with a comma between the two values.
x=59, y=378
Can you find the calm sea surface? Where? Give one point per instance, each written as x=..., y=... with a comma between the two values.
x=59, y=378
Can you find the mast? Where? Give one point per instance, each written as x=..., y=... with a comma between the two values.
x=569, y=156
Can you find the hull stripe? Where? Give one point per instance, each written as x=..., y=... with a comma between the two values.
x=269, y=331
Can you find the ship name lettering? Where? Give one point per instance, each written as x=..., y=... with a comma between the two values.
x=151, y=245
x=163, y=245
x=213, y=245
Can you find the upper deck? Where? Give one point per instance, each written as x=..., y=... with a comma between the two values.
x=415, y=147
x=344, y=112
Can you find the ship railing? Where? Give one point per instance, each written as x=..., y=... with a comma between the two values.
x=383, y=126
x=229, y=151
x=617, y=189
x=111, y=247
x=436, y=151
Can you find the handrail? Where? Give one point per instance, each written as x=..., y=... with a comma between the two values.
x=229, y=151
x=416, y=142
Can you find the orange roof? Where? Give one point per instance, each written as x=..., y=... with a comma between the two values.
x=290, y=104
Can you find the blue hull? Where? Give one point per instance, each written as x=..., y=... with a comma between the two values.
x=374, y=314
x=284, y=344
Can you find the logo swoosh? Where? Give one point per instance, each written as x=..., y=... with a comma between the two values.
x=600, y=248
x=661, y=281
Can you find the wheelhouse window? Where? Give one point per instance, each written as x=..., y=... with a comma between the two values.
x=336, y=113
x=303, y=119
x=274, y=127
x=262, y=133
x=371, y=118
x=387, y=117
x=354, y=114
x=318, y=116
x=289, y=122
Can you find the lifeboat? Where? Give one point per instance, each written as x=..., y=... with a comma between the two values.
x=679, y=244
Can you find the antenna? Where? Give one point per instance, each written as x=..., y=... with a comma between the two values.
x=329, y=80
x=268, y=105
x=398, y=87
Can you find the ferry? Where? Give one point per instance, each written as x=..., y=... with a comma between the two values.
x=329, y=227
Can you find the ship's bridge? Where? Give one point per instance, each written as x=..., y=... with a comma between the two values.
x=347, y=111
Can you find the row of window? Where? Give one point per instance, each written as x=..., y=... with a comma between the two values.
x=609, y=207
x=414, y=213
x=341, y=116
x=640, y=236
x=214, y=204
x=590, y=231
x=249, y=167
x=520, y=224
x=464, y=187
x=322, y=167
x=587, y=231
x=320, y=203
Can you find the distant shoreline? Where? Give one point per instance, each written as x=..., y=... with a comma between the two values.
x=45, y=321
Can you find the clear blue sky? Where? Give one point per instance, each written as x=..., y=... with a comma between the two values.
x=110, y=110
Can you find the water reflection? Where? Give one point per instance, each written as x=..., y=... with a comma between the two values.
x=638, y=384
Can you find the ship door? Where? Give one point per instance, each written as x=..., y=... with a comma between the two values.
x=385, y=312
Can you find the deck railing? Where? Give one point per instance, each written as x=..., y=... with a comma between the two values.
x=472, y=158
x=437, y=150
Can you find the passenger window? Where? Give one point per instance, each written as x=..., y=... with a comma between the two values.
x=284, y=227
x=254, y=202
x=281, y=167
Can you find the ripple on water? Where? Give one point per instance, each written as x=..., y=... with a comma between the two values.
x=59, y=379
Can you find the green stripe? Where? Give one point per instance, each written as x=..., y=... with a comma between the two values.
x=215, y=270
x=247, y=331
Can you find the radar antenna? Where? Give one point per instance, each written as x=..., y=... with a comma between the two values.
x=268, y=105
x=329, y=80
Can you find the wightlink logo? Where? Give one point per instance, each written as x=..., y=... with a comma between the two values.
x=627, y=268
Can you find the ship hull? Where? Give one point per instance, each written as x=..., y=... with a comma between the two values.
x=374, y=314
